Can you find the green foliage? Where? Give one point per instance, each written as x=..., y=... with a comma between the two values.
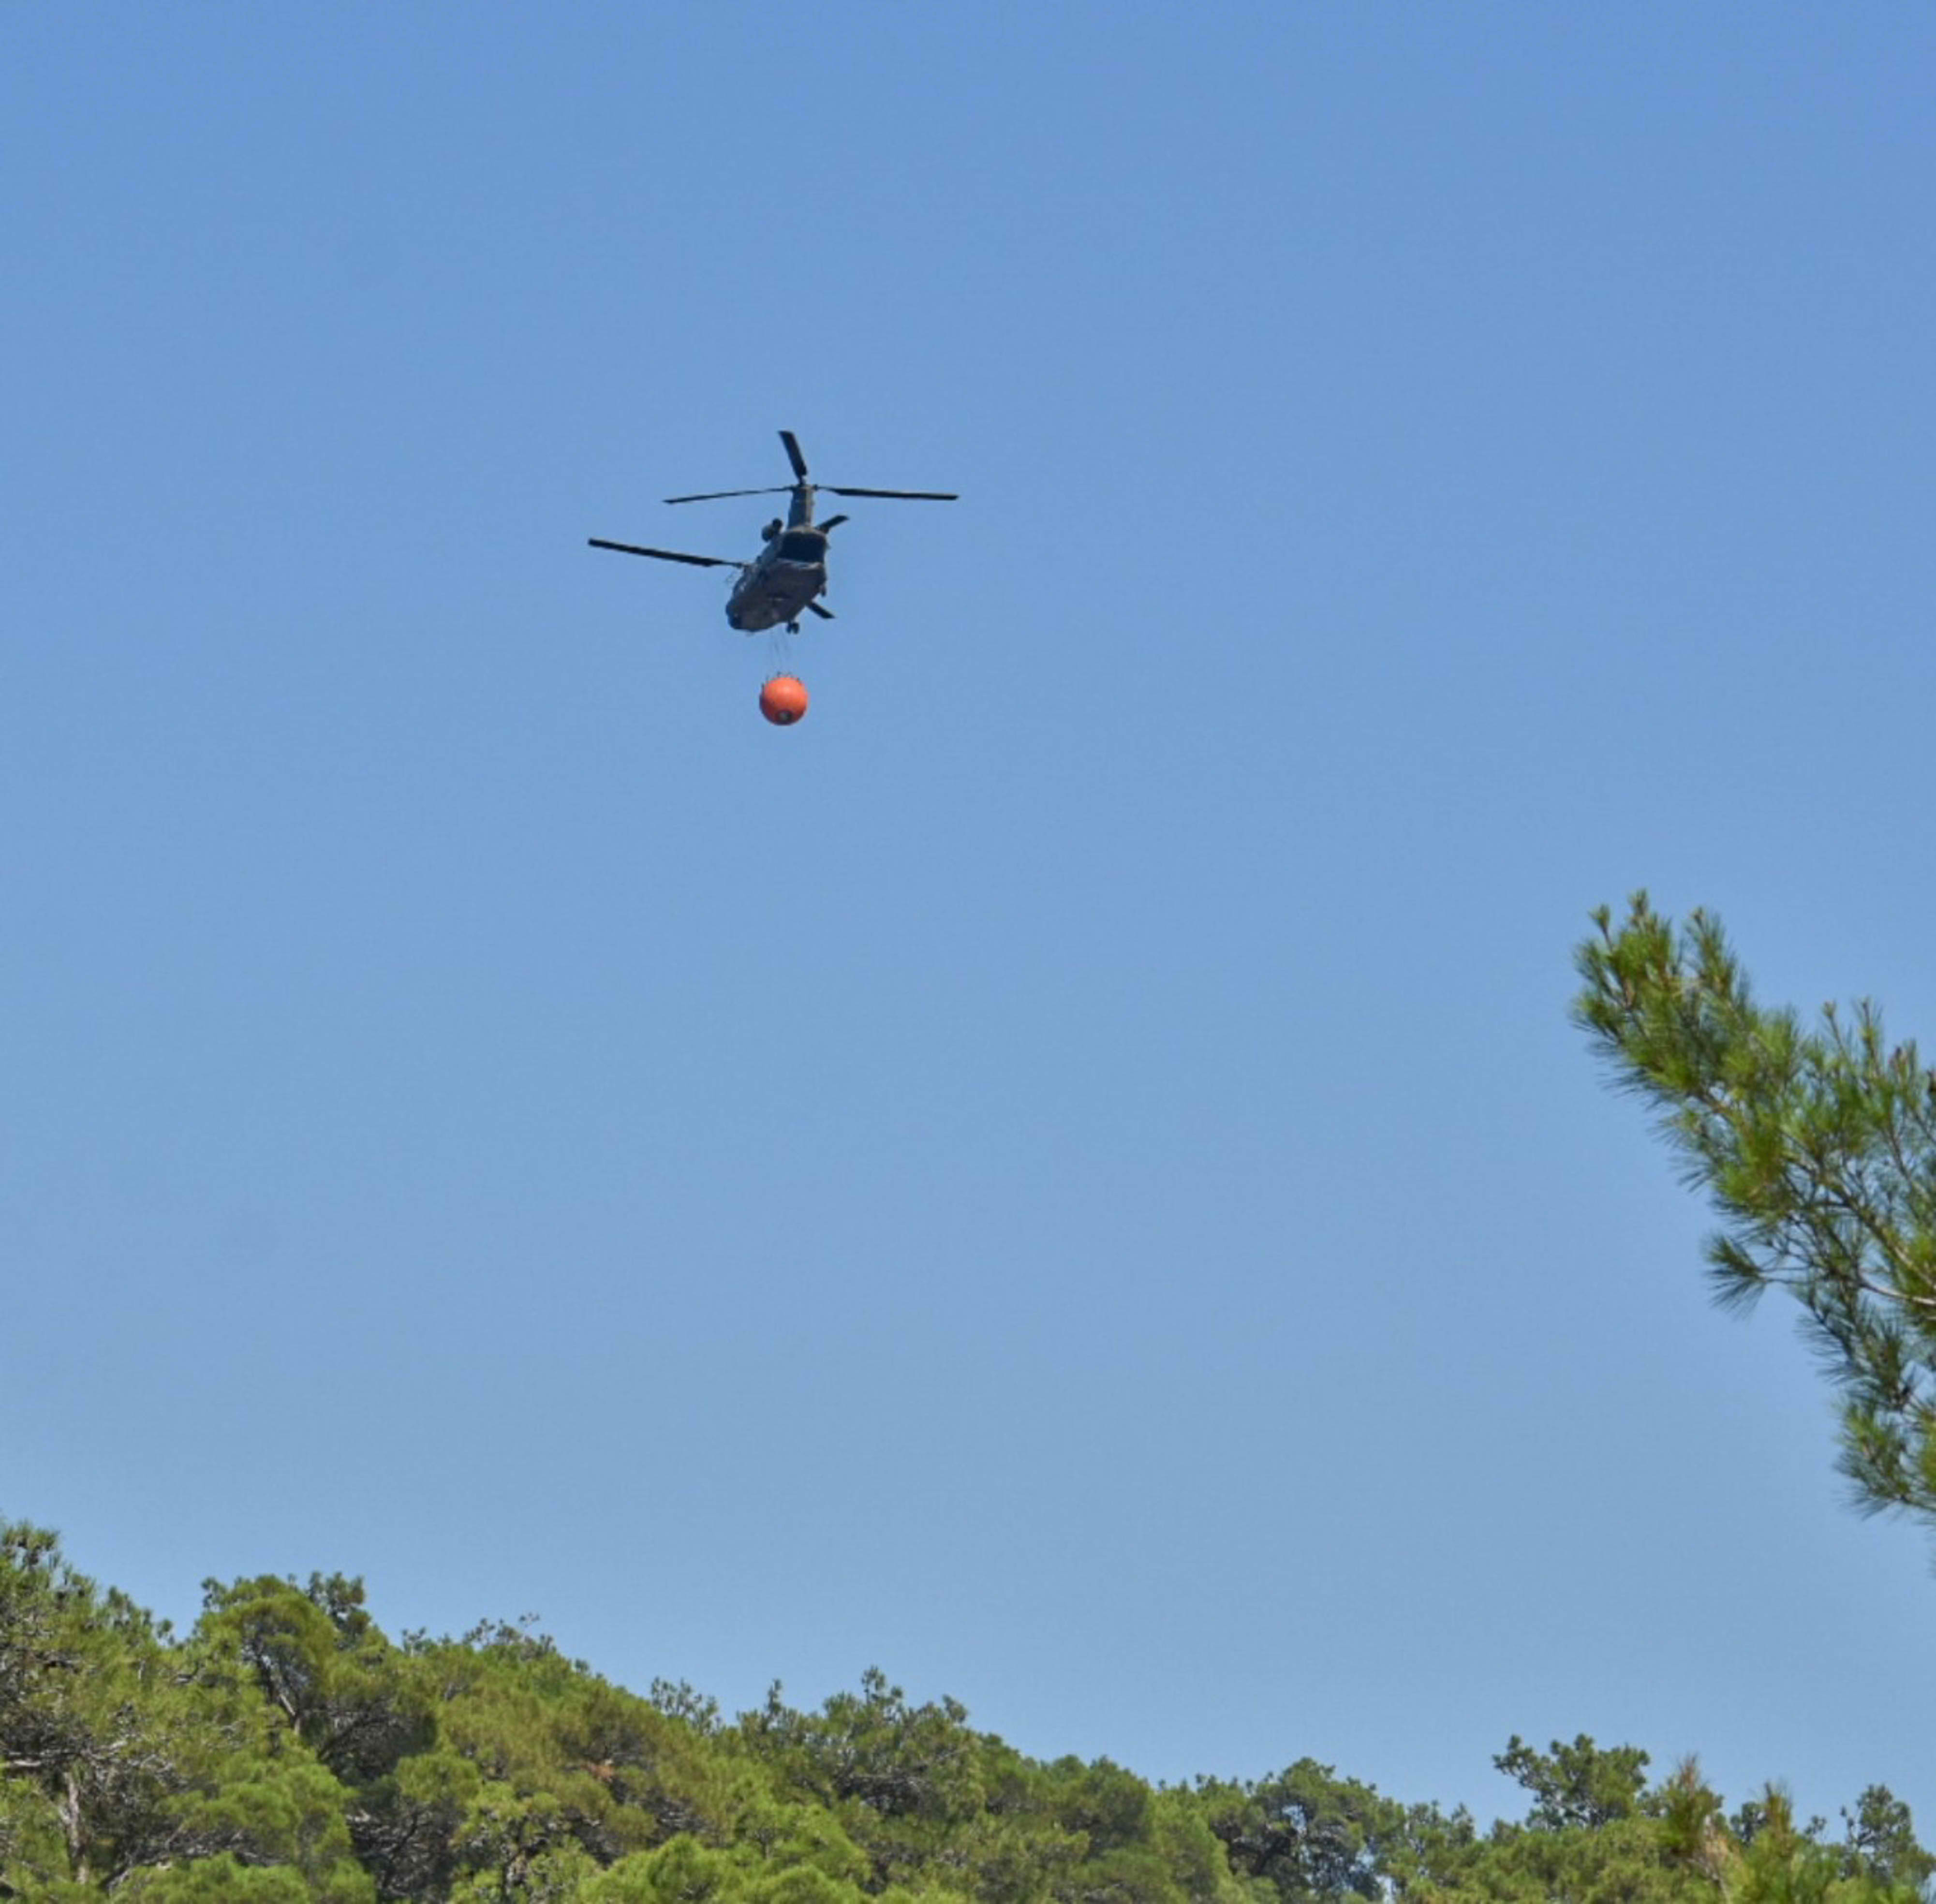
x=318, y=1660
x=1817, y=1147
x=682, y=1871
x=1305, y=1832
x=1881, y=1843
x=1783, y=1863
x=1625, y=1862
x=222, y=1879
x=286, y=1752
x=1576, y=1784
x=898, y=1760
x=286, y=1812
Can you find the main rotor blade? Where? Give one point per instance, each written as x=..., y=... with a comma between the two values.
x=668, y=555
x=793, y=456
x=715, y=495
x=901, y=495
x=832, y=522
x=825, y=614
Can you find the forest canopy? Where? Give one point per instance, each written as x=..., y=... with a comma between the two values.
x=286, y=1750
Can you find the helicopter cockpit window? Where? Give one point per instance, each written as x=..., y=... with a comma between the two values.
x=802, y=547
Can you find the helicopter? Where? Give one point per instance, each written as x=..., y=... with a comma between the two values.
x=788, y=577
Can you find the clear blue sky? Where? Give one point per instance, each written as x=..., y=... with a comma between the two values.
x=1067, y=1174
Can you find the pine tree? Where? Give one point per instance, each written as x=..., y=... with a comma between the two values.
x=1818, y=1149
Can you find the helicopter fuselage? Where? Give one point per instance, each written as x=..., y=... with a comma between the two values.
x=776, y=587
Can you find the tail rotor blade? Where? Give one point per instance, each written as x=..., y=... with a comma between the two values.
x=899, y=495
x=793, y=456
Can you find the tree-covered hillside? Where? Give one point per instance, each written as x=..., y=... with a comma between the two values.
x=286, y=1750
